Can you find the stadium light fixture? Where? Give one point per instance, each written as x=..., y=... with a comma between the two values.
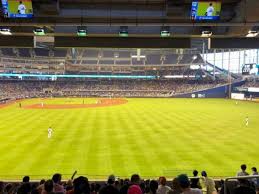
x=5, y=31
x=81, y=31
x=206, y=33
x=124, y=31
x=252, y=33
x=39, y=31
x=165, y=31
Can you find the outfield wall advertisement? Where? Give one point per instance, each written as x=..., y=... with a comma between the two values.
x=237, y=96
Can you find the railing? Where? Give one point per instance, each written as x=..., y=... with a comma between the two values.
x=237, y=178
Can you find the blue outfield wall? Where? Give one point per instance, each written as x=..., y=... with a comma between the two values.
x=217, y=92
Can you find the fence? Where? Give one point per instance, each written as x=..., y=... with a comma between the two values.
x=236, y=178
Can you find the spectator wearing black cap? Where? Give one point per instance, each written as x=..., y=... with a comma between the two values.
x=185, y=185
x=109, y=188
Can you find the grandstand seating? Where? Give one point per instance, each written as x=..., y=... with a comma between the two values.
x=170, y=59
x=60, y=52
x=23, y=52
x=7, y=52
x=131, y=88
x=153, y=59
x=41, y=52
x=90, y=53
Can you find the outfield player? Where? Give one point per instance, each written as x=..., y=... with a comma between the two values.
x=247, y=121
x=49, y=132
x=210, y=10
x=21, y=8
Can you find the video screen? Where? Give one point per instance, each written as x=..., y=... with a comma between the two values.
x=205, y=10
x=17, y=8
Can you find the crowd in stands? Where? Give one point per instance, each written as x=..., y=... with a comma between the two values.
x=252, y=84
x=182, y=184
x=116, y=88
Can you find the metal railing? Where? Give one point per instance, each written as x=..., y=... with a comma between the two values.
x=237, y=178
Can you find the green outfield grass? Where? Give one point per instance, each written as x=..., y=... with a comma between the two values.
x=151, y=137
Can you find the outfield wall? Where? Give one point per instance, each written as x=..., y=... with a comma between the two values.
x=217, y=92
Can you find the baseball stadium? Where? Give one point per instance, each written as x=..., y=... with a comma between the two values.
x=160, y=96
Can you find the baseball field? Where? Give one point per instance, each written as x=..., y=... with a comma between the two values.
x=152, y=137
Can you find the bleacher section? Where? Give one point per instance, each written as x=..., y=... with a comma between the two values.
x=23, y=52
x=41, y=52
x=60, y=53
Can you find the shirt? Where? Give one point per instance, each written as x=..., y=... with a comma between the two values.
x=21, y=9
x=192, y=191
x=242, y=173
x=208, y=185
x=255, y=180
x=210, y=11
x=163, y=189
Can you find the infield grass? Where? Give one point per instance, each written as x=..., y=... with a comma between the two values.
x=152, y=137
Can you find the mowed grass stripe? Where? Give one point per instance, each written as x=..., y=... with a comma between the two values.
x=152, y=137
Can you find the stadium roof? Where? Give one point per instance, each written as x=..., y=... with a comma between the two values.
x=144, y=19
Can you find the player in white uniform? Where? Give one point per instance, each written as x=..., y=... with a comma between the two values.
x=247, y=121
x=210, y=10
x=49, y=132
x=21, y=8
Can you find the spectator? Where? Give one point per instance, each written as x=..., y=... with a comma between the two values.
x=125, y=186
x=69, y=185
x=243, y=171
x=42, y=181
x=1, y=187
x=110, y=187
x=135, y=188
x=34, y=188
x=195, y=180
x=24, y=189
x=163, y=188
x=208, y=184
x=176, y=189
x=243, y=187
x=58, y=188
x=97, y=188
x=48, y=187
x=10, y=188
x=185, y=185
x=41, y=186
x=81, y=186
x=153, y=186
x=26, y=179
x=255, y=180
